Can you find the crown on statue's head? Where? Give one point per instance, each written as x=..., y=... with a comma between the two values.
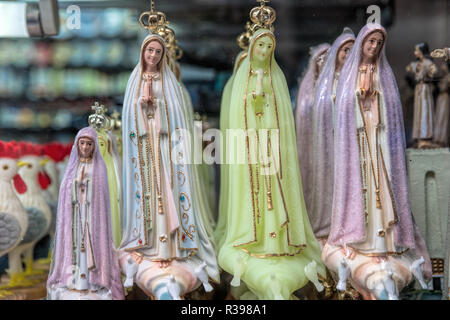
x=156, y=22
x=99, y=120
x=262, y=16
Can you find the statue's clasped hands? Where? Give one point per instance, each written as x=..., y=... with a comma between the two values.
x=258, y=95
x=149, y=100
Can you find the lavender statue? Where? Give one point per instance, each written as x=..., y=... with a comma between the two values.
x=323, y=132
x=84, y=263
x=303, y=117
x=373, y=240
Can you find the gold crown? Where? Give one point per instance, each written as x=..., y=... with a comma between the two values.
x=99, y=120
x=156, y=22
x=262, y=16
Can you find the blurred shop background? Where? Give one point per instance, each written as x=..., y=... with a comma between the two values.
x=47, y=86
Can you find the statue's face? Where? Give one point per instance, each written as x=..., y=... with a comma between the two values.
x=372, y=45
x=153, y=53
x=86, y=147
x=343, y=53
x=262, y=50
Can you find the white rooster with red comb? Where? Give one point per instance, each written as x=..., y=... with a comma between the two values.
x=31, y=196
x=13, y=217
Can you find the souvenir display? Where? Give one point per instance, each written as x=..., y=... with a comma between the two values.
x=323, y=134
x=372, y=227
x=424, y=71
x=148, y=160
x=165, y=248
x=304, y=117
x=268, y=242
x=13, y=217
x=84, y=262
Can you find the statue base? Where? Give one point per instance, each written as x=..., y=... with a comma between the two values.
x=373, y=279
x=163, y=280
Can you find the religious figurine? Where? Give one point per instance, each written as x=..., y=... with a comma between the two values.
x=442, y=114
x=84, y=262
x=108, y=151
x=268, y=242
x=105, y=145
x=304, y=117
x=323, y=135
x=243, y=41
x=13, y=217
x=113, y=149
x=373, y=240
x=424, y=70
x=165, y=248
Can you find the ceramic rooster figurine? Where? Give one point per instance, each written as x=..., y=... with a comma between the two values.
x=32, y=198
x=13, y=217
